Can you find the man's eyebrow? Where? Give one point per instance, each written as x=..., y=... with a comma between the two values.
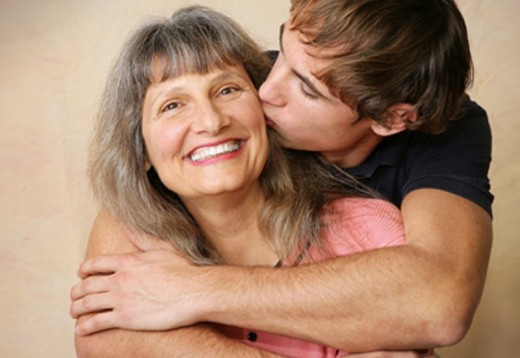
x=309, y=84
x=282, y=28
x=302, y=78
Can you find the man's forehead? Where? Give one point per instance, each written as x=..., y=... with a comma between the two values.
x=321, y=54
x=303, y=64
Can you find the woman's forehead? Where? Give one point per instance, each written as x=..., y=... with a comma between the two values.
x=162, y=70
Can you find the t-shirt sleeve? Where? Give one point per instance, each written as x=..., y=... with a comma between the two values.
x=457, y=160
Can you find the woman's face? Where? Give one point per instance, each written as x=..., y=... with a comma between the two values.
x=205, y=134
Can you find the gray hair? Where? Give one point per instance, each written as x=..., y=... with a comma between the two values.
x=194, y=40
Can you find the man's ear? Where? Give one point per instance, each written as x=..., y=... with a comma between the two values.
x=395, y=119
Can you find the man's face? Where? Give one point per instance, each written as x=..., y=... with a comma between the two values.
x=304, y=112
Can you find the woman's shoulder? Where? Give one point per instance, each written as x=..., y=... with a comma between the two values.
x=357, y=206
x=108, y=236
x=359, y=224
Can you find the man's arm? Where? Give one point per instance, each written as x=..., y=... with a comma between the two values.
x=422, y=294
x=419, y=295
x=107, y=237
x=196, y=341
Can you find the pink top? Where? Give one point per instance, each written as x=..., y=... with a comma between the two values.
x=355, y=225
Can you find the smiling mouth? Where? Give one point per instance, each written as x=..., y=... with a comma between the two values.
x=212, y=152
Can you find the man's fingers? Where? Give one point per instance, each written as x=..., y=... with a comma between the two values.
x=90, y=285
x=102, y=265
x=143, y=242
x=98, y=322
x=148, y=243
x=90, y=304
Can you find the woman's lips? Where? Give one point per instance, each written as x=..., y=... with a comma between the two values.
x=212, y=151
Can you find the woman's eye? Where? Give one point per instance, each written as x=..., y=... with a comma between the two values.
x=228, y=90
x=171, y=106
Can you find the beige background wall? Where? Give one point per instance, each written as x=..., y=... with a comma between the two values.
x=54, y=56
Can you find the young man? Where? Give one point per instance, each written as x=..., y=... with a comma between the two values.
x=384, y=105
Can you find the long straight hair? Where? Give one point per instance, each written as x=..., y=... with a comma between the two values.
x=196, y=39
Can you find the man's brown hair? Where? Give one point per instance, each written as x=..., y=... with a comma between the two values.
x=388, y=52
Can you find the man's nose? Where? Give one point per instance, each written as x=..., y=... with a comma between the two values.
x=271, y=91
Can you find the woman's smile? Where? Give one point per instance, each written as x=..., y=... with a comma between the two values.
x=205, y=134
x=215, y=152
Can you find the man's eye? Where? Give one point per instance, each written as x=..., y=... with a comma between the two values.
x=308, y=94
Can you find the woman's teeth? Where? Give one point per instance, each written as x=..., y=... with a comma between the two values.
x=211, y=152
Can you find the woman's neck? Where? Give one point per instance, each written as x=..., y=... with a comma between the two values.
x=230, y=221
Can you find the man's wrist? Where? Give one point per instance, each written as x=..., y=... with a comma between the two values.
x=219, y=298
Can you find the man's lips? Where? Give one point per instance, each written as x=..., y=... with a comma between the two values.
x=269, y=122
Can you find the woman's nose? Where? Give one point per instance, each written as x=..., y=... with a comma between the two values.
x=210, y=119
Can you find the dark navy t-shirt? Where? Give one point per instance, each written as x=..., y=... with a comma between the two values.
x=456, y=161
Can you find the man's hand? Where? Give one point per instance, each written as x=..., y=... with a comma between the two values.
x=108, y=237
x=136, y=291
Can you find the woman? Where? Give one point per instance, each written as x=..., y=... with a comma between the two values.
x=182, y=153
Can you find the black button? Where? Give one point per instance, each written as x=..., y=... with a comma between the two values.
x=252, y=336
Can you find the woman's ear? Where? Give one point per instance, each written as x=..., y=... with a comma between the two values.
x=395, y=119
x=147, y=163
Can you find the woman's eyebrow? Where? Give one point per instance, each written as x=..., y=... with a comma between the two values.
x=225, y=76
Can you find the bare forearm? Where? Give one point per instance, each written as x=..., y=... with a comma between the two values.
x=196, y=341
x=354, y=309
x=419, y=295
